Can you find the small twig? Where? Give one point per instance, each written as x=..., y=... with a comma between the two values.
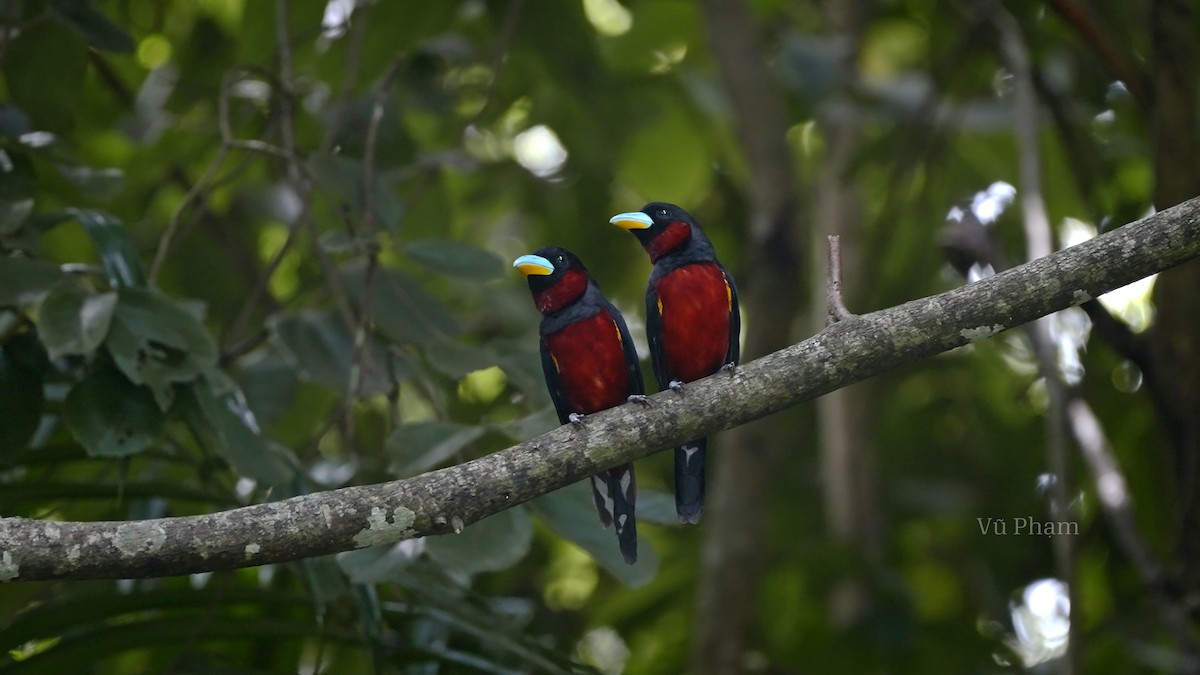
x=301, y=186
x=286, y=89
x=361, y=362
x=10, y=17
x=393, y=392
x=193, y=194
x=833, y=284
x=1113, y=492
x=372, y=139
x=358, y=30
x=507, y=31
x=232, y=353
x=110, y=77
x=1105, y=46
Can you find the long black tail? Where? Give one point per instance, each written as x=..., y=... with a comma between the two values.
x=689, y=480
x=615, y=494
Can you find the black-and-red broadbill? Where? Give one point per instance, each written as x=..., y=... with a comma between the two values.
x=692, y=322
x=590, y=364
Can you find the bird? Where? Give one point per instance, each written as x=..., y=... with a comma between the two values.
x=692, y=322
x=591, y=364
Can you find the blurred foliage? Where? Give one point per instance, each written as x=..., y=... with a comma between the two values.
x=222, y=283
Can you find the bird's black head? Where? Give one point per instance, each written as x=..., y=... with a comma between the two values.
x=556, y=277
x=660, y=227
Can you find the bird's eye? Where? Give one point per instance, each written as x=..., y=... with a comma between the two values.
x=662, y=213
x=561, y=259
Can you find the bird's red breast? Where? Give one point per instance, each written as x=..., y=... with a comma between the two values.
x=590, y=363
x=694, y=304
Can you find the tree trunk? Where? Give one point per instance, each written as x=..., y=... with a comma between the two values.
x=1175, y=339
x=769, y=280
x=844, y=417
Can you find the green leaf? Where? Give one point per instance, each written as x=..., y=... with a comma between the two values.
x=13, y=214
x=103, y=184
x=25, y=280
x=343, y=176
x=223, y=409
x=572, y=514
x=21, y=397
x=539, y=422
x=45, y=66
x=401, y=307
x=375, y=564
x=325, y=580
x=455, y=359
x=656, y=506
x=73, y=321
x=341, y=241
x=494, y=543
x=420, y=446
x=115, y=247
x=18, y=183
x=524, y=370
x=456, y=259
x=18, y=180
x=137, y=635
x=323, y=350
x=94, y=26
x=270, y=385
x=499, y=626
x=157, y=343
x=90, y=607
x=13, y=121
x=109, y=415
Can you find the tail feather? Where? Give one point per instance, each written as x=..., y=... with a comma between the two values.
x=689, y=480
x=623, y=492
x=602, y=495
x=615, y=494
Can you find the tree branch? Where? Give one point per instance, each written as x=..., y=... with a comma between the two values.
x=835, y=305
x=848, y=351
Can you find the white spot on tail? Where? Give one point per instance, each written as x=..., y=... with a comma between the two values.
x=688, y=451
x=621, y=521
x=602, y=489
x=625, y=481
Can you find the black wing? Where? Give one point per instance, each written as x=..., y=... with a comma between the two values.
x=654, y=338
x=735, y=320
x=554, y=384
x=631, y=358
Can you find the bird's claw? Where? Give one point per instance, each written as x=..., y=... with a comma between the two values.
x=577, y=419
x=639, y=398
x=729, y=369
x=676, y=386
